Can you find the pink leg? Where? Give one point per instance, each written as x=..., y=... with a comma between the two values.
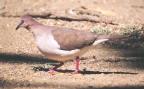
x=77, y=63
x=53, y=70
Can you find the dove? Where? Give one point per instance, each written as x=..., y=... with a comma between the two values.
x=61, y=44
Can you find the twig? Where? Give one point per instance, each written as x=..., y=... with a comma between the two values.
x=65, y=18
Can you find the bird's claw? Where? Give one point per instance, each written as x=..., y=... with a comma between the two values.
x=52, y=71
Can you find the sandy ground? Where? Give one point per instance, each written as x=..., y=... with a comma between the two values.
x=103, y=68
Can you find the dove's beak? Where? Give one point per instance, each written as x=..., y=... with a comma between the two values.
x=19, y=25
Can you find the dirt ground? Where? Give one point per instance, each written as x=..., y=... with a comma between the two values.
x=120, y=65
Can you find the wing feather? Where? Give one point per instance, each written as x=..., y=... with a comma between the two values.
x=70, y=39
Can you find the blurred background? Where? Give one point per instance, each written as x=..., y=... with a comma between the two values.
x=117, y=64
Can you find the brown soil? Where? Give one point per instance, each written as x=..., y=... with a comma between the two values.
x=104, y=68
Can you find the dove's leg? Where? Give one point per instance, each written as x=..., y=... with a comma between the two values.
x=77, y=64
x=52, y=70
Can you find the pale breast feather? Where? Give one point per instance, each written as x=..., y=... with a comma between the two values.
x=47, y=43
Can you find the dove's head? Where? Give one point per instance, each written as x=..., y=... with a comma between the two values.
x=26, y=21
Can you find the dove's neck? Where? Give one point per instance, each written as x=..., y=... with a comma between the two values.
x=40, y=30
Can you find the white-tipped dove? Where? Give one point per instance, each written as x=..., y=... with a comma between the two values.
x=60, y=44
